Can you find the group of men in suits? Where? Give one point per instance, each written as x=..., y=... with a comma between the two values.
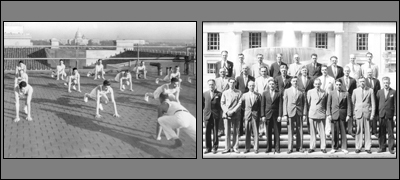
x=253, y=102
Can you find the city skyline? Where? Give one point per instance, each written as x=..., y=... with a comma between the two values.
x=161, y=31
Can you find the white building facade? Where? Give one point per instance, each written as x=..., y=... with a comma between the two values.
x=339, y=38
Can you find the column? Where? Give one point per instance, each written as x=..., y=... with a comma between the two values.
x=306, y=39
x=237, y=44
x=339, y=47
x=270, y=38
x=264, y=40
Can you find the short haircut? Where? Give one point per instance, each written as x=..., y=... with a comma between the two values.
x=324, y=65
x=62, y=60
x=369, y=53
x=294, y=77
x=361, y=78
x=173, y=80
x=106, y=83
x=279, y=54
x=176, y=66
x=250, y=82
x=271, y=79
x=260, y=55
x=263, y=67
x=386, y=78
x=231, y=78
x=224, y=51
x=313, y=54
x=21, y=62
x=99, y=60
x=240, y=54
x=73, y=69
x=346, y=67
x=333, y=57
x=212, y=80
x=317, y=79
x=338, y=80
x=163, y=96
x=222, y=69
x=22, y=84
x=283, y=66
x=304, y=67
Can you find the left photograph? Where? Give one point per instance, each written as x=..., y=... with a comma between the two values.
x=99, y=90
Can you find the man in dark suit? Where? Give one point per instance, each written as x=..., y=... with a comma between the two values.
x=386, y=99
x=314, y=68
x=251, y=101
x=271, y=113
x=348, y=85
x=241, y=84
x=304, y=82
x=294, y=112
x=339, y=111
x=276, y=66
x=375, y=85
x=224, y=63
x=211, y=114
x=364, y=110
x=334, y=70
x=283, y=80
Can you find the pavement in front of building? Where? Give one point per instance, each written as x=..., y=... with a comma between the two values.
x=64, y=125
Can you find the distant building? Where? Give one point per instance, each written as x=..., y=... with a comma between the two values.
x=15, y=36
x=79, y=39
x=94, y=41
x=128, y=44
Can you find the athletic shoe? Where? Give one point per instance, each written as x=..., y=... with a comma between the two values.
x=332, y=151
x=157, y=80
x=101, y=107
x=26, y=109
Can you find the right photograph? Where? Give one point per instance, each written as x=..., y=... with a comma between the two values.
x=299, y=90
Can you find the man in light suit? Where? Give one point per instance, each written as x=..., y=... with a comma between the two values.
x=375, y=85
x=334, y=70
x=339, y=112
x=314, y=68
x=255, y=68
x=261, y=86
x=295, y=68
x=224, y=63
x=370, y=65
x=387, y=103
x=294, y=113
x=271, y=113
x=316, y=104
x=355, y=69
x=221, y=83
x=231, y=114
x=275, y=69
x=242, y=85
x=327, y=85
x=348, y=85
x=211, y=114
x=364, y=110
x=251, y=102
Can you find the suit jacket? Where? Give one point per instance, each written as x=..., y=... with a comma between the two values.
x=374, y=67
x=339, y=105
x=275, y=69
x=211, y=105
x=314, y=72
x=221, y=86
x=387, y=106
x=230, y=101
x=229, y=68
x=282, y=86
x=293, y=103
x=376, y=83
x=363, y=107
x=241, y=85
x=271, y=108
x=339, y=72
x=349, y=87
x=309, y=84
x=316, y=104
x=251, y=108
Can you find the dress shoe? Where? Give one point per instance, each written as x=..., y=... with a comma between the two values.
x=368, y=151
x=391, y=151
x=290, y=151
x=380, y=150
x=256, y=152
x=267, y=151
x=214, y=151
x=345, y=151
x=246, y=151
x=332, y=151
x=277, y=151
x=323, y=151
x=311, y=150
x=207, y=151
x=358, y=151
x=226, y=151
x=301, y=150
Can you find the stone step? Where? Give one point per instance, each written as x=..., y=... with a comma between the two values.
x=285, y=137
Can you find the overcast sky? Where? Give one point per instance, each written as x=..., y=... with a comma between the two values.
x=110, y=30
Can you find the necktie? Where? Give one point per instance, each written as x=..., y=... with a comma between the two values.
x=334, y=71
x=284, y=80
x=304, y=82
x=272, y=95
x=245, y=80
x=372, y=83
x=338, y=95
x=211, y=94
x=347, y=83
x=386, y=93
